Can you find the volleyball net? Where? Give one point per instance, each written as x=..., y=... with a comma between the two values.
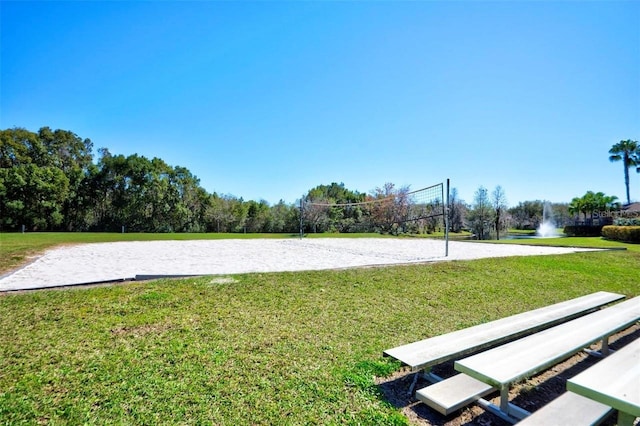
x=387, y=210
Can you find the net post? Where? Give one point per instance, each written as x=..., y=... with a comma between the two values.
x=446, y=223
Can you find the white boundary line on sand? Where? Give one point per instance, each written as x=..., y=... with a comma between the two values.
x=109, y=262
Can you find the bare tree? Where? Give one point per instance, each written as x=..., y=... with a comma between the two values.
x=456, y=211
x=480, y=215
x=499, y=201
x=316, y=212
x=389, y=207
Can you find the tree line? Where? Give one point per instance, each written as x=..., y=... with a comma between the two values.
x=488, y=217
x=50, y=181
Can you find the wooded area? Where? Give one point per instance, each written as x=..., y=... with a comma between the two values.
x=49, y=181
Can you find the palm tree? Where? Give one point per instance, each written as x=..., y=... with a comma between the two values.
x=576, y=206
x=603, y=204
x=589, y=205
x=629, y=152
x=611, y=202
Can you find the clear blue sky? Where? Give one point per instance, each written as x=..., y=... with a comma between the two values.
x=266, y=100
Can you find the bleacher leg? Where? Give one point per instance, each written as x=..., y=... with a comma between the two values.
x=413, y=383
x=495, y=410
x=506, y=411
x=431, y=377
x=428, y=375
x=604, y=348
x=625, y=419
x=504, y=399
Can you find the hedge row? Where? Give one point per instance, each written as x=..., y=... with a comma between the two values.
x=627, y=234
x=583, y=230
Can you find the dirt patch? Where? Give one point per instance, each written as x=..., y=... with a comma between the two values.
x=531, y=394
x=140, y=330
x=223, y=280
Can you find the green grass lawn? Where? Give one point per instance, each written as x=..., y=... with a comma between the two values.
x=270, y=348
x=514, y=231
x=593, y=242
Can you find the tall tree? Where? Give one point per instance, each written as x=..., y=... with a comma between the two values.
x=258, y=216
x=32, y=196
x=389, y=211
x=72, y=155
x=33, y=186
x=18, y=146
x=316, y=213
x=282, y=218
x=499, y=202
x=218, y=213
x=629, y=153
x=341, y=217
x=480, y=216
x=457, y=209
x=527, y=214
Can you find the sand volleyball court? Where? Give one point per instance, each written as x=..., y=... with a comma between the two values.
x=103, y=262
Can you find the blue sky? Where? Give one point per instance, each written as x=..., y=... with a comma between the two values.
x=266, y=100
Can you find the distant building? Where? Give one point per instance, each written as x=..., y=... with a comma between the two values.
x=633, y=207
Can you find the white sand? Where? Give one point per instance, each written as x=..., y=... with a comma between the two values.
x=90, y=263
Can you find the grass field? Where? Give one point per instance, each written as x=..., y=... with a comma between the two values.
x=273, y=348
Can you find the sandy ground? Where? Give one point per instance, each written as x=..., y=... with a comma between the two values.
x=91, y=263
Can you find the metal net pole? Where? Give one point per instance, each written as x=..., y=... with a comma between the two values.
x=446, y=223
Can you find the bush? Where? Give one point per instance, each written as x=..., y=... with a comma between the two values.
x=627, y=234
x=583, y=230
x=627, y=221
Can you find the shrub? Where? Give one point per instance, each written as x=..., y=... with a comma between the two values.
x=583, y=230
x=627, y=234
x=627, y=221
